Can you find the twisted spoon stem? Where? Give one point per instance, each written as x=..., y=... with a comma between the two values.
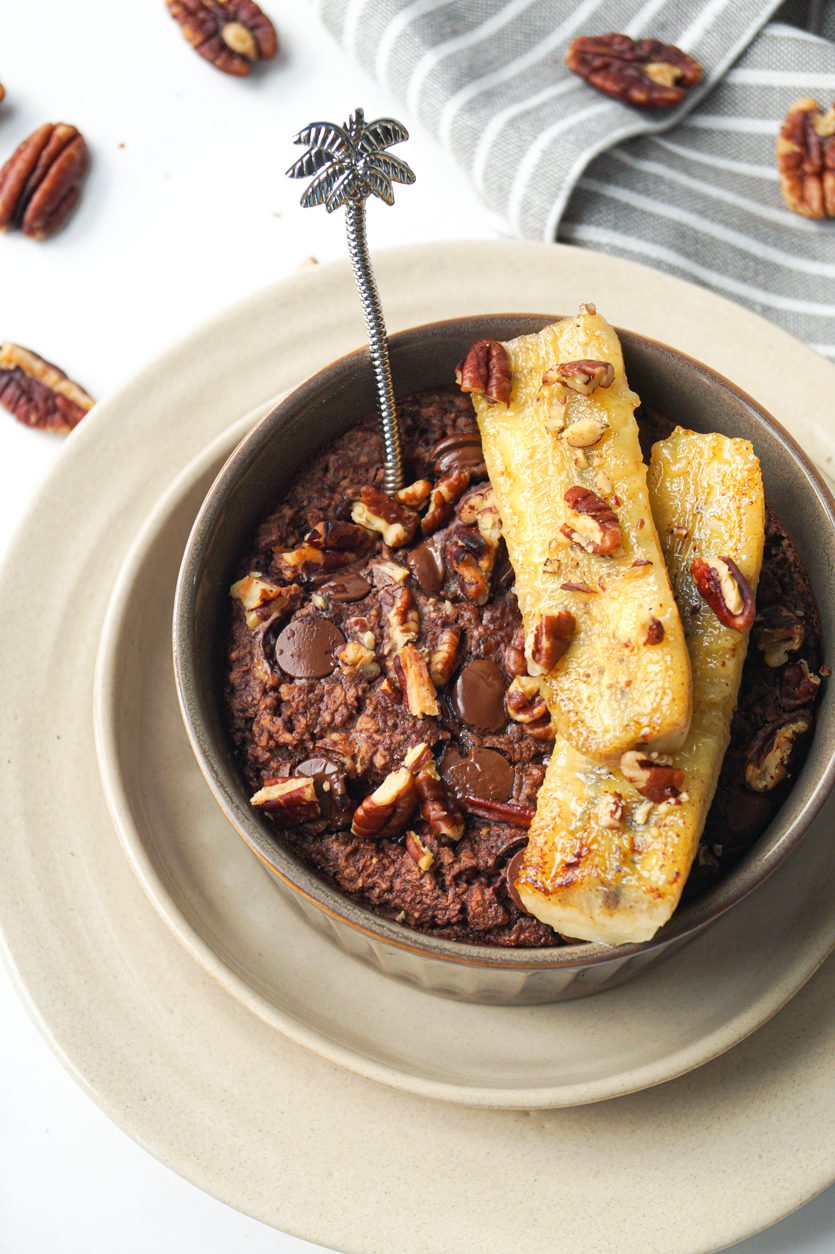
x=377, y=343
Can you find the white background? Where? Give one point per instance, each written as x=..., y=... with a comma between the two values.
x=186, y=209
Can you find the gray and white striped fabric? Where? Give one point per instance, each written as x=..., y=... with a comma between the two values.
x=693, y=191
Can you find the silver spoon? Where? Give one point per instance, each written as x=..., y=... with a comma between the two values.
x=350, y=163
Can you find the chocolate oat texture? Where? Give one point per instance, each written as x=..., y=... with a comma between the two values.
x=498, y=710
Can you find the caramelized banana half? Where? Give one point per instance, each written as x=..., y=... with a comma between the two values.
x=565, y=464
x=611, y=849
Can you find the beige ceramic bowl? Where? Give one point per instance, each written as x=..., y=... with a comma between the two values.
x=287, y=439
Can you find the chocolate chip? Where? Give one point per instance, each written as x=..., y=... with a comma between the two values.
x=347, y=587
x=427, y=566
x=461, y=450
x=478, y=695
x=305, y=648
x=482, y=773
x=510, y=876
x=329, y=780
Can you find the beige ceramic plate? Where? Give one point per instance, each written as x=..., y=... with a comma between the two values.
x=199, y=876
x=187, y=1070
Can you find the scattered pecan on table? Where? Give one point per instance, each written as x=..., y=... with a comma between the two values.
x=232, y=34
x=40, y=184
x=641, y=72
x=38, y=393
x=806, y=160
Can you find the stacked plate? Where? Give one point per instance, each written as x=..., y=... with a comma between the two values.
x=205, y=1016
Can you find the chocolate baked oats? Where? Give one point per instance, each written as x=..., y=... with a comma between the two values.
x=368, y=633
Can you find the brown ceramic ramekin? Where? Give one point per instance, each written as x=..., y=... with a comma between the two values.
x=287, y=439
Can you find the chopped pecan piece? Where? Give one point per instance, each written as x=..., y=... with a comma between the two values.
x=585, y=432
x=376, y=511
x=609, y=810
x=552, y=635
x=358, y=659
x=595, y=526
x=328, y=546
x=418, y=852
x=438, y=810
x=641, y=72
x=798, y=685
x=416, y=494
x=524, y=700
x=806, y=160
x=500, y=811
x=479, y=508
x=418, y=689
x=38, y=393
x=770, y=754
x=388, y=809
x=229, y=33
x=288, y=800
x=722, y=584
x=584, y=376
x=346, y=537
x=653, y=777
x=262, y=600
x=779, y=633
x=404, y=619
x=385, y=574
x=471, y=557
x=486, y=371
x=655, y=631
x=442, y=500
x=40, y=184
x=515, y=662
x=444, y=656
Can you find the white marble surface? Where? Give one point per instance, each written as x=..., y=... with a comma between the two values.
x=186, y=209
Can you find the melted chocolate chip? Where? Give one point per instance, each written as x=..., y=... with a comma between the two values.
x=461, y=450
x=347, y=587
x=305, y=648
x=478, y=695
x=329, y=780
x=482, y=773
x=510, y=877
x=427, y=566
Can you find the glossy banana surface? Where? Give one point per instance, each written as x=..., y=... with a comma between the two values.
x=604, y=862
x=625, y=678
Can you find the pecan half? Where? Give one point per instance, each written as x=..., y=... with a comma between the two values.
x=438, y=810
x=418, y=852
x=229, y=33
x=40, y=184
x=388, y=809
x=610, y=810
x=500, y=811
x=38, y=393
x=288, y=800
x=552, y=635
x=444, y=656
x=651, y=776
x=779, y=633
x=595, y=526
x=416, y=683
x=770, y=754
x=641, y=72
x=442, y=500
x=584, y=376
x=722, y=584
x=403, y=619
x=486, y=371
x=471, y=557
x=806, y=160
x=798, y=685
x=262, y=600
x=376, y=511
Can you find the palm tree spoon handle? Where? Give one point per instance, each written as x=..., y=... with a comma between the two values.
x=350, y=163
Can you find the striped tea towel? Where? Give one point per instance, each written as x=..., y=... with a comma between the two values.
x=692, y=190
